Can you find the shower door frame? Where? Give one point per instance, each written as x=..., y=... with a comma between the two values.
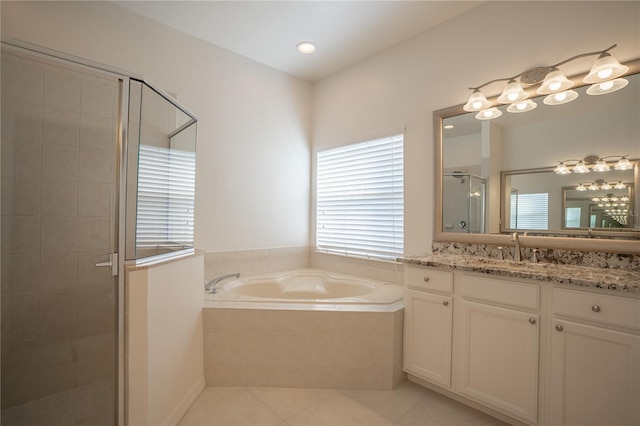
x=117, y=259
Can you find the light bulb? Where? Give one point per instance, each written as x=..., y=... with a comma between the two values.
x=560, y=96
x=605, y=73
x=521, y=106
x=477, y=104
x=555, y=86
x=606, y=85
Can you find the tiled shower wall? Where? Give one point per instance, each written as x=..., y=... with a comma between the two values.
x=58, y=162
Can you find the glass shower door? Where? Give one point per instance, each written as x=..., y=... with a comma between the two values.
x=59, y=210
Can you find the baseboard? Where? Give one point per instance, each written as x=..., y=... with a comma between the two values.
x=181, y=408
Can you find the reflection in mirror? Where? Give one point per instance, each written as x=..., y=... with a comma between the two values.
x=600, y=208
x=515, y=156
x=541, y=200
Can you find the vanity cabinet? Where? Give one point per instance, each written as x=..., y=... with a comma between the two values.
x=499, y=345
x=428, y=325
x=595, y=357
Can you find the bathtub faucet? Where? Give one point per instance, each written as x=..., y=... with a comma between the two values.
x=211, y=284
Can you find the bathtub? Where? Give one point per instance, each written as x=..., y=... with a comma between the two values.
x=307, y=289
x=304, y=328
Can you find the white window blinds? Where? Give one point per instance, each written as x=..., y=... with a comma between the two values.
x=530, y=211
x=360, y=202
x=166, y=194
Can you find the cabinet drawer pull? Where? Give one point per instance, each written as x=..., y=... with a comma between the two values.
x=445, y=303
x=595, y=308
x=532, y=321
x=559, y=327
x=426, y=279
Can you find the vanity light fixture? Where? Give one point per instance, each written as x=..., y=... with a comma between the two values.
x=620, y=185
x=593, y=187
x=603, y=77
x=599, y=164
x=581, y=187
x=605, y=68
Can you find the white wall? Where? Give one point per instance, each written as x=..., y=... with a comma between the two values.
x=254, y=128
x=164, y=340
x=405, y=84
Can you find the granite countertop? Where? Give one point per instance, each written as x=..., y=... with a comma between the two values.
x=619, y=280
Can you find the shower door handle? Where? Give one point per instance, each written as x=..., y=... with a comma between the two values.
x=112, y=263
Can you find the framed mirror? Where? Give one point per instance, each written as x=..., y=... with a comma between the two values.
x=496, y=177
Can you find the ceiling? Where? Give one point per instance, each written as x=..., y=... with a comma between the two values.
x=345, y=32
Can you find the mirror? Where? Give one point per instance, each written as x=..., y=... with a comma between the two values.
x=497, y=176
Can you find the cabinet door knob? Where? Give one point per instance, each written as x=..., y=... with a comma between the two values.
x=426, y=279
x=532, y=321
x=559, y=327
x=595, y=308
x=445, y=303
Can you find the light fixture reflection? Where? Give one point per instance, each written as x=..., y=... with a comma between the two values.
x=560, y=97
x=561, y=169
x=607, y=86
x=581, y=187
x=524, y=106
x=580, y=167
x=489, y=114
x=601, y=166
x=620, y=185
x=623, y=164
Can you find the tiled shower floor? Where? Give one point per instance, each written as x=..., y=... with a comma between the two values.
x=88, y=405
x=408, y=404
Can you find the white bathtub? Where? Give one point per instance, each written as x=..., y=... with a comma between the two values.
x=307, y=289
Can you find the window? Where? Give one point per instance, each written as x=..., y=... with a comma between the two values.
x=529, y=211
x=360, y=202
x=572, y=217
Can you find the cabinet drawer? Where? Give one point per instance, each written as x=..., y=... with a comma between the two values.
x=508, y=292
x=430, y=279
x=602, y=308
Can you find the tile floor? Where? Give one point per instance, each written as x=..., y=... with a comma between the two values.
x=408, y=404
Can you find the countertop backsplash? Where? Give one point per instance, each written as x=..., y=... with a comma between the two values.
x=553, y=256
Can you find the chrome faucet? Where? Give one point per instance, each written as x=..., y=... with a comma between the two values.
x=212, y=284
x=516, y=250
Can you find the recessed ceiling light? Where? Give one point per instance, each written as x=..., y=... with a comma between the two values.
x=306, y=47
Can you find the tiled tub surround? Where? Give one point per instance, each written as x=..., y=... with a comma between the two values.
x=303, y=349
x=58, y=154
x=622, y=281
x=262, y=261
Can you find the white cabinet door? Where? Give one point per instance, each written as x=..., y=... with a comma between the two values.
x=498, y=362
x=594, y=376
x=427, y=342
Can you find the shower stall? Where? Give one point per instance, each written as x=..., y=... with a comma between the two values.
x=98, y=170
x=463, y=202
